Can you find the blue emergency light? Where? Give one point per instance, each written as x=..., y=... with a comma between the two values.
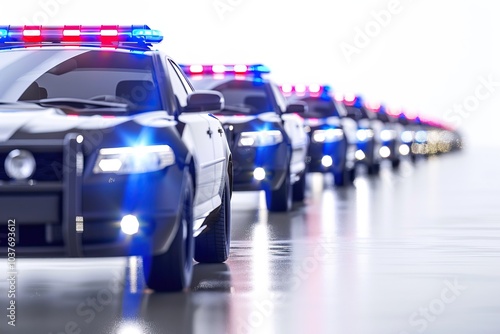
x=105, y=35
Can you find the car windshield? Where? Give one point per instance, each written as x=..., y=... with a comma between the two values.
x=357, y=113
x=383, y=117
x=61, y=77
x=320, y=107
x=241, y=96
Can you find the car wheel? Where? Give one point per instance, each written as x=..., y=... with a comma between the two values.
x=344, y=178
x=213, y=244
x=339, y=178
x=374, y=169
x=299, y=188
x=172, y=271
x=352, y=175
x=280, y=200
x=396, y=163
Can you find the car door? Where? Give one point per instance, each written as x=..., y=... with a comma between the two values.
x=199, y=134
x=294, y=127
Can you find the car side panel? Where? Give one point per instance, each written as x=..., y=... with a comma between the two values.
x=199, y=138
x=294, y=126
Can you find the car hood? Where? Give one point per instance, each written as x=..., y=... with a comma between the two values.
x=241, y=119
x=52, y=123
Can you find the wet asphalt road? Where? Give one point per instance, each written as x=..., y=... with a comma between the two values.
x=417, y=251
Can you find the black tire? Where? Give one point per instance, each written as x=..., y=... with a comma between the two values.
x=172, y=271
x=396, y=163
x=213, y=244
x=374, y=169
x=352, y=175
x=339, y=178
x=299, y=189
x=280, y=200
x=344, y=177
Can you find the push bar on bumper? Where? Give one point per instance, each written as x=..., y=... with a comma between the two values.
x=53, y=202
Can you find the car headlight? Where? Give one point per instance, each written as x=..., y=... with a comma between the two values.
x=407, y=136
x=387, y=135
x=131, y=160
x=364, y=134
x=421, y=136
x=260, y=138
x=20, y=164
x=327, y=136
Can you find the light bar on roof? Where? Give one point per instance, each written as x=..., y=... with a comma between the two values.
x=77, y=34
x=32, y=32
x=196, y=69
x=339, y=97
x=286, y=88
x=372, y=105
x=353, y=100
x=350, y=97
x=240, y=68
x=301, y=89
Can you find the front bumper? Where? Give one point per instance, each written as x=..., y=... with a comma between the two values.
x=79, y=214
x=273, y=159
x=370, y=151
x=337, y=151
x=393, y=146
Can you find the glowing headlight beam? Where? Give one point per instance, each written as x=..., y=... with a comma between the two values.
x=328, y=135
x=260, y=138
x=130, y=160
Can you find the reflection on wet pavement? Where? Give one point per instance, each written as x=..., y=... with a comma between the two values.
x=413, y=251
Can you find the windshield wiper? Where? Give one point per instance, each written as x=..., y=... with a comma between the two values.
x=79, y=103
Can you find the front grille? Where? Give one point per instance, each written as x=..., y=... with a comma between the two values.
x=33, y=235
x=45, y=210
x=49, y=166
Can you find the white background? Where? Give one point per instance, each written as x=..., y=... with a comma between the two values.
x=426, y=57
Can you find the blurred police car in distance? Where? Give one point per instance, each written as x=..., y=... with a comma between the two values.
x=368, y=133
x=332, y=135
x=390, y=135
x=267, y=137
x=407, y=136
x=107, y=150
x=420, y=135
x=440, y=138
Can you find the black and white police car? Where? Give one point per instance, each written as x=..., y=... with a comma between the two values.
x=332, y=135
x=390, y=135
x=368, y=134
x=267, y=138
x=107, y=150
x=407, y=136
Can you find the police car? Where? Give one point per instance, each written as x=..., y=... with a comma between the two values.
x=407, y=136
x=439, y=138
x=368, y=133
x=267, y=137
x=420, y=135
x=332, y=135
x=107, y=150
x=390, y=135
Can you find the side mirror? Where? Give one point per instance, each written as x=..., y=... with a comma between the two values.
x=204, y=101
x=298, y=107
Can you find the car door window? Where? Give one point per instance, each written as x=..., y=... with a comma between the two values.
x=280, y=99
x=180, y=90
